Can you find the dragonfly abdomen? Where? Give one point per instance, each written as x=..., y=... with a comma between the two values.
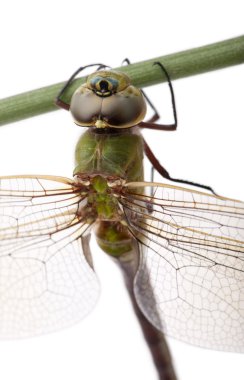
x=113, y=237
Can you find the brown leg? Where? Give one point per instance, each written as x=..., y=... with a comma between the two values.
x=60, y=103
x=162, y=127
x=157, y=127
x=161, y=170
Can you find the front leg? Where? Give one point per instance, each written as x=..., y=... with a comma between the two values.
x=161, y=170
x=163, y=127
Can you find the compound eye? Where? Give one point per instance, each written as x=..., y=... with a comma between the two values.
x=85, y=106
x=124, y=109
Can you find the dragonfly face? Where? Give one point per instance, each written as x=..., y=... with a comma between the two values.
x=108, y=99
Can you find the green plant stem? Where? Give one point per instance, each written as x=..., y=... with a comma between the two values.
x=186, y=63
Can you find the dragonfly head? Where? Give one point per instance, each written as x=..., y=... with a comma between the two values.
x=108, y=100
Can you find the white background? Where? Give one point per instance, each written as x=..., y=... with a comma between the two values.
x=43, y=43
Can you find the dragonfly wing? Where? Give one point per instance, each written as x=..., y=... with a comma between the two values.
x=190, y=281
x=46, y=277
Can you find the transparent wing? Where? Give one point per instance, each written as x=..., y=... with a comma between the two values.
x=190, y=282
x=46, y=278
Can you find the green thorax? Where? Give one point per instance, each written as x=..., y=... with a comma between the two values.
x=100, y=155
x=117, y=154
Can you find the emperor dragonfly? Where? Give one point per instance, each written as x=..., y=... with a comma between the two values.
x=185, y=247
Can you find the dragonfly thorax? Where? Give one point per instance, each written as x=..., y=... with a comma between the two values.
x=99, y=190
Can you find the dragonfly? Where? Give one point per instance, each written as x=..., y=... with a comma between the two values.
x=182, y=249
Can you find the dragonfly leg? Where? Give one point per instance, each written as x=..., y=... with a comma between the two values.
x=155, y=115
x=163, y=127
x=59, y=102
x=161, y=170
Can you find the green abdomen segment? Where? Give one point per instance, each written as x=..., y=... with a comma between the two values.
x=117, y=155
x=113, y=238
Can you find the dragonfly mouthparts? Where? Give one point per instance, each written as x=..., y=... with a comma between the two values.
x=100, y=123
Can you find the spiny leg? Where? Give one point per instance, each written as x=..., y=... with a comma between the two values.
x=164, y=127
x=161, y=170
